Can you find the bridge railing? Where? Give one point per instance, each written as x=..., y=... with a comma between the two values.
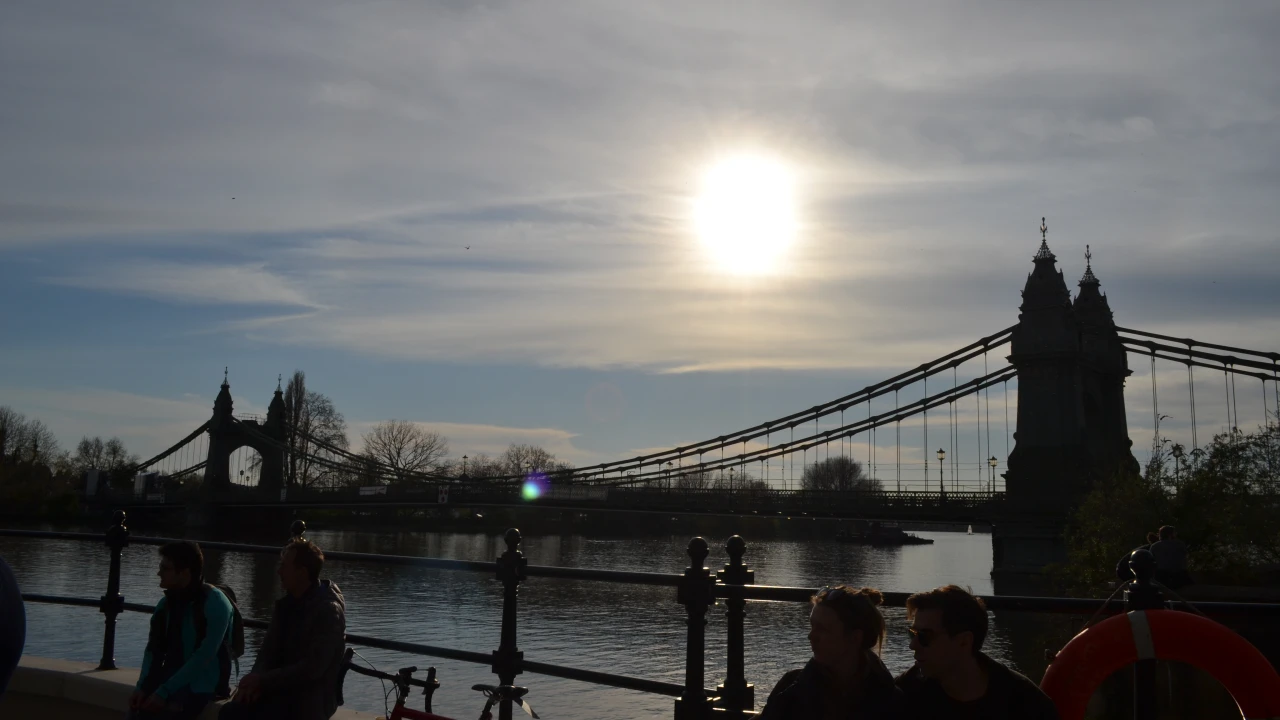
x=775, y=501
x=698, y=588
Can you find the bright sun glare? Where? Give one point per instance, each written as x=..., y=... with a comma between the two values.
x=745, y=213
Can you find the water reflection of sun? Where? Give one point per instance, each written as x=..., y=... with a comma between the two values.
x=745, y=213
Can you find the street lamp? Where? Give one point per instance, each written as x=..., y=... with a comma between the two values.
x=993, y=462
x=1177, y=462
x=942, y=455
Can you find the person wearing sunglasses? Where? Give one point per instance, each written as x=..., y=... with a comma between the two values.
x=845, y=679
x=952, y=677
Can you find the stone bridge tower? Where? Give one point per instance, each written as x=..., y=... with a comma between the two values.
x=1071, y=429
x=228, y=434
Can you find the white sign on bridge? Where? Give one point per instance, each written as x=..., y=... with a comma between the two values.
x=442, y=494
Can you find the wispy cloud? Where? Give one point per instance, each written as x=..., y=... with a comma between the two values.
x=191, y=283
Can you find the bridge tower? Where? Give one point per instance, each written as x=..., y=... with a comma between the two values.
x=228, y=434
x=1071, y=427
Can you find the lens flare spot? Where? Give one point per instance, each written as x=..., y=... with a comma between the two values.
x=535, y=484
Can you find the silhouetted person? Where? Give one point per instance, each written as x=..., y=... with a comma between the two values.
x=952, y=677
x=13, y=624
x=845, y=678
x=1171, y=559
x=1123, y=573
x=296, y=673
x=181, y=672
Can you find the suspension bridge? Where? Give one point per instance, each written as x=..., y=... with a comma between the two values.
x=1067, y=358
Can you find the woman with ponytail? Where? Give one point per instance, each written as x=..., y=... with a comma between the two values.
x=845, y=679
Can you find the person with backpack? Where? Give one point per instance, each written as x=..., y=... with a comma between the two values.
x=186, y=664
x=296, y=673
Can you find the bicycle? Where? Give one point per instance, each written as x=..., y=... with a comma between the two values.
x=403, y=682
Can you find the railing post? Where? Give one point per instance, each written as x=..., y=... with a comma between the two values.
x=736, y=694
x=1142, y=595
x=696, y=596
x=112, y=604
x=507, y=658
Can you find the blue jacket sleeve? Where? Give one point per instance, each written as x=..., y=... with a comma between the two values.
x=146, y=654
x=217, y=613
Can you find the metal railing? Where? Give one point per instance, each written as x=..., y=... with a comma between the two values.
x=905, y=505
x=697, y=588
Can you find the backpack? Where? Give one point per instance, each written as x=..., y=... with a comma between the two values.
x=232, y=644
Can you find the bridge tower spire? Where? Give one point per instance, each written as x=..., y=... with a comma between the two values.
x=228, y=434
x=1050, y=465
x=1104, y=367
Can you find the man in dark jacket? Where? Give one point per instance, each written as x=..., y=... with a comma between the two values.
x=952, y=678
x=296, y=673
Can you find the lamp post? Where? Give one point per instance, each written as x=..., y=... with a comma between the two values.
x=992, y=462
x=464, y=466
x=942, y=455
x=670, y=463
x=1177, y=462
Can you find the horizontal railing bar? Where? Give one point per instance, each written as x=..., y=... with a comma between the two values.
x=61, y=600
x=591, y=676
x=601, y=678
x=617, y=576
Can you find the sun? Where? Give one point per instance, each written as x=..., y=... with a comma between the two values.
x=745, y=213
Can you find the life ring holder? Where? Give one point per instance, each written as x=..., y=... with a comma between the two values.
x=1119, y=641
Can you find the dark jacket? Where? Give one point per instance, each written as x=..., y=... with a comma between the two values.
x=1009, y=695
x=800, y=695
x=302, y=652
x=13, y=624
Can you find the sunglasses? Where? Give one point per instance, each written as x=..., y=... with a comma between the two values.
x=829, y=593
x=924, y=637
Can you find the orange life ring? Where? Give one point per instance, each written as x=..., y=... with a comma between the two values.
x=1118, y=641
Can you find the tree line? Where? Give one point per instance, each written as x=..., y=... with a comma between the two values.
x=1223, y=498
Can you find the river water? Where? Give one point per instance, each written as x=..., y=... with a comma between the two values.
x=627, y=629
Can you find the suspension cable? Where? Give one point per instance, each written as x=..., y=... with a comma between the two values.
x=1235, y=409
x=1191, y=387
x=897, y=440
x=1226, y=389
x=988, y=393
x=1006, y=425
x=926, y=436
x=1155, y=402
x=977, y=400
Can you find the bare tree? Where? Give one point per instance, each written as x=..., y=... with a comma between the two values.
x=309, y=417
x=13, y=425
x=839, y=473
x=26, y=440
x=94, y=453
x=519, y=459
x=405, y=447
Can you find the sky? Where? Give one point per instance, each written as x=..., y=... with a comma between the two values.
x=480, y=216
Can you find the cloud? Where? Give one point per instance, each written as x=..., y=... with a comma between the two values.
x=191, y=283
x=928, y=142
